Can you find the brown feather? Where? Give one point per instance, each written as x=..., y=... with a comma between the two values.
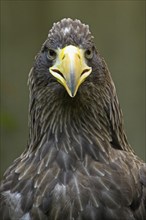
x=78, y=163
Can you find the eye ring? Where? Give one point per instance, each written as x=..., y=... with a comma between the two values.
x=89, y=54
x=51, y=54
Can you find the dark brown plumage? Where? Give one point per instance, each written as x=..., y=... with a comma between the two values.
x=78, y=164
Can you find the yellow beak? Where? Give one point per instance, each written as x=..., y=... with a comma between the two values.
x=70, y=68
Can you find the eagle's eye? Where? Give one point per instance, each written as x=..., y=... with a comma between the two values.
x=89, y=54
x=51, y=54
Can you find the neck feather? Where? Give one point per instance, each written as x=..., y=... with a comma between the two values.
x=92, y=114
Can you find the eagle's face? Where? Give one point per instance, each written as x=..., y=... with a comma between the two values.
x=70, y=67
x=69, y=54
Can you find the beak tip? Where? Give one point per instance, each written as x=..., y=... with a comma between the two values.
x=72, y=95
x=72, y=89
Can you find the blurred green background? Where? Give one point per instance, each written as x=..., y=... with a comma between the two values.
x=119, y=31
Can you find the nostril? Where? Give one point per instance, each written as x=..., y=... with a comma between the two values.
x=84, y=71
x=58, y=72
x=63, y=57
x=79, y=56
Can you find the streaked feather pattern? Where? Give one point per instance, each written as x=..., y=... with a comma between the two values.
x=78, y=164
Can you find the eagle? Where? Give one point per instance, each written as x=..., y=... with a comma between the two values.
x=78, y=164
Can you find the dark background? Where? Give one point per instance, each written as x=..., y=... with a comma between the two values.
x=119, y=30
